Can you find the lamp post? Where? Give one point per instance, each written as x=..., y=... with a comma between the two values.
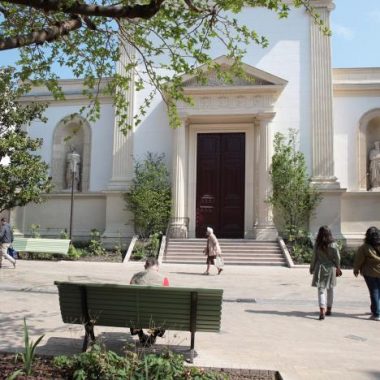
x=73, y=160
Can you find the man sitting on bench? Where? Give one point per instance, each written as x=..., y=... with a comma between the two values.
x=149, y=276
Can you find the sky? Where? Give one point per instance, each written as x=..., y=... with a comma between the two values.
x=355, y=40
x=356, y=33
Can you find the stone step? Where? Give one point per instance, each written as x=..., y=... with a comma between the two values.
x=235, y=252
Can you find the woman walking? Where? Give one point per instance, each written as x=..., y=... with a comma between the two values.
x=212, y=251
x=325, y=266
x=367, y=263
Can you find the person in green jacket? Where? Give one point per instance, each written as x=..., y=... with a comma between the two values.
x=367, y=263
x=325, y=266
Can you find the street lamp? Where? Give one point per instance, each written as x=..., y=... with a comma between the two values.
x=73, y=160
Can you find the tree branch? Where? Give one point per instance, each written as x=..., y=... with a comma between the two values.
x=43, y=35
x=145, y=11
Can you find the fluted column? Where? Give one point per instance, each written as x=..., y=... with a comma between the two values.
x=264, y=227
x=119, y=222
x=178, y=227
x=322, y=101
x=122, y=162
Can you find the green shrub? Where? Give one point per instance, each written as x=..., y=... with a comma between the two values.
x=107, y=365
x=293, y=197
x=299, y=244
x=149, y=197
x=74, y=253
x=35, y=231
x=95, y=248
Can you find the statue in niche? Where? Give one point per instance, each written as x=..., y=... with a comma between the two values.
x=73, y=170
x=374, y=167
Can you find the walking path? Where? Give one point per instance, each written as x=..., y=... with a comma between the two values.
x=270, y=318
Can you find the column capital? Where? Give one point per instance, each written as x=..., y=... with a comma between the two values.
x=329, y=4
x=265, y=117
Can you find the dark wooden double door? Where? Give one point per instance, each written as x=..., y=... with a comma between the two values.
x=220, y=184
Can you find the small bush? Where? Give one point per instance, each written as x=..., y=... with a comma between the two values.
x=74, y=253
x=95, y=248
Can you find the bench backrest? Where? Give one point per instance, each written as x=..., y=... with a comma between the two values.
x=184, y=309
x=41, y=245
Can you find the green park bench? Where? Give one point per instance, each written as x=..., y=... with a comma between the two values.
x=56, y=246
x=137, y=306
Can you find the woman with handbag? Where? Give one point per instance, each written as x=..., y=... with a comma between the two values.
x=325, y=266
x=367, y=263
x=213, y=252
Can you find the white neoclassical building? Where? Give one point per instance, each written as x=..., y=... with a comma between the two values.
x=220, y=157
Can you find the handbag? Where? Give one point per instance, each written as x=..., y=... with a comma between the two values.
x=12, y=252
x=219, y=262
x=338, y=272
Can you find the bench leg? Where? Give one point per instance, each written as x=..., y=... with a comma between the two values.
x=89, y=333
x=192, y=347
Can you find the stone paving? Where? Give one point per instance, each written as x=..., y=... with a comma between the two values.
x=270, y=318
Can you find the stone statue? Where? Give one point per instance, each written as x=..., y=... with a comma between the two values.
x=73, y=169
x=374, y=167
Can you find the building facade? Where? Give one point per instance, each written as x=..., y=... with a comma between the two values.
x=221, y=155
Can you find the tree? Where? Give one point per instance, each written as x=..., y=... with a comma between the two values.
x=149, y=197
x=293, y=197
x=23, y=175
x=170, y=38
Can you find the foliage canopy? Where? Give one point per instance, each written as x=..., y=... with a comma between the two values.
x=169, y=38
x=23, y=175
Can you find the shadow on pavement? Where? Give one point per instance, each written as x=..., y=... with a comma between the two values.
x=308, y=315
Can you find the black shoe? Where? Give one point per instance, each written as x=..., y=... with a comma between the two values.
x=321, y=317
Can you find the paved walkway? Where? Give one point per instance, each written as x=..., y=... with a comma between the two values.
x=269, y=318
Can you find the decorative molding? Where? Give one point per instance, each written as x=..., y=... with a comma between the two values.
x=72, y=88
x=357, y=81
x=223, y=102
x=225, y=63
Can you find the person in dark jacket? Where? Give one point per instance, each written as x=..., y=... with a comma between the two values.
x=6, y=239
x=324, y=266
x=367, y=263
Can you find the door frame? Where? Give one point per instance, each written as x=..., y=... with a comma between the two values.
x=250, y=168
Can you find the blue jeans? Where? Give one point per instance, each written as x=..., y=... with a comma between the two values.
x=373, y=284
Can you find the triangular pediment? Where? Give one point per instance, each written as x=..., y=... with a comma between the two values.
x=252, y=77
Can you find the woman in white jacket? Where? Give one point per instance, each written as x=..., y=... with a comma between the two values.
x=212, y=251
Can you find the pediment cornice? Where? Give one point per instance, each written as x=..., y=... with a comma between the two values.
x=255, y=92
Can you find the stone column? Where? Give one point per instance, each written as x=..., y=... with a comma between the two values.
x=321, y=101
x=264, y=227
x=122, y=162
x=119, y=222
x=179, y=225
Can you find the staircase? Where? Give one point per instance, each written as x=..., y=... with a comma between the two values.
x=235, y=252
